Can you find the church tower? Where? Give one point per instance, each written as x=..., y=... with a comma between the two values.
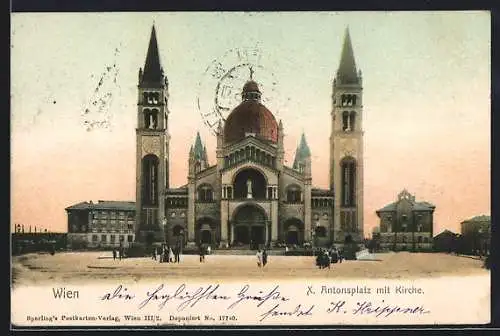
x=152, y=159
x=346, y=148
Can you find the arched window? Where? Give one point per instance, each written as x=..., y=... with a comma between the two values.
x=348, y=100
x=154, y=119
x=150, y=180
x=147, y=118
x=205, y=193
x=348, y=170
x=293, y=194
x=352, y=121
x=151, y=98
x=404, y=223
x=150, y=118
x=345, y=121
x=197, y=167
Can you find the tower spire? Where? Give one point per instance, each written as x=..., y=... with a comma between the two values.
x=346, y=73
x=304, y=147
x=153, y=72
x=303, y=152
x=198, y=147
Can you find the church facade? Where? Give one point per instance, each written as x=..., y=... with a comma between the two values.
x=248, y=195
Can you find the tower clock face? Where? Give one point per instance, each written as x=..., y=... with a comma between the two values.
x=221, y=85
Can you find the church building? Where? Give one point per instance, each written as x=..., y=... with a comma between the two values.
x=248, y=196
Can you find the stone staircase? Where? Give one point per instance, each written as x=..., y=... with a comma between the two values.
x=245, y=252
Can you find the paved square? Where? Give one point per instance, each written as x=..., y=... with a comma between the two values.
x=92, y=267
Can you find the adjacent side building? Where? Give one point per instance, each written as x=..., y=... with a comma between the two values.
x=476, y=234
x=406, y=224
x=101, y=224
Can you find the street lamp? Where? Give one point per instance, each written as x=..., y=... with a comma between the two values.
x=314, y=235
x=165, y=232
x=181, y=240
x=480, y=236
x=417, y=226
x=393, y=227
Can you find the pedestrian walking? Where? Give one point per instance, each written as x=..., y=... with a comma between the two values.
x=264, y=258
x=202, y=252
x=114, y=253
x=159, y=252
x=259, y=258
x=166, y=256
x=170, y=254
x=153, y=254
x=177, y=254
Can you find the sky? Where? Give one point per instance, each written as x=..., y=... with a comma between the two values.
x=426, y=101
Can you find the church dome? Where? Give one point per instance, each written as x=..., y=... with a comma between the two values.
x=250, y=116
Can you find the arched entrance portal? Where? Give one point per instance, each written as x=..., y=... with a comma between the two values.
x=294, y=231
x=249, y=226
x=206, y=231
x=206, y=234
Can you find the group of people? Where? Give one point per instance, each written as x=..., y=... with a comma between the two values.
x=118, y=253
x=166, y=254
x=324, y=257
x=261, y=258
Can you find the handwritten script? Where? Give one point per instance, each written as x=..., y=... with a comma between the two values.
x=270, y=302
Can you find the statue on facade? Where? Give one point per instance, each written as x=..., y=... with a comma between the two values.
x=249, y=188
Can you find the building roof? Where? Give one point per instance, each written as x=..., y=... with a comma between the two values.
x=180, y=190
x=250, y=117
x=302, y=152
x=423, y=206
x=416, y=206
x=346, y=73
x=103, y=205
x=445, y=233
x=198, y=148
x=480, y=218
x=79, y=206
x=153, y=72
x=321, y=192
x=388, y=207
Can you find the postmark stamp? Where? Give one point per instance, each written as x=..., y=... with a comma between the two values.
x=219, y=90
